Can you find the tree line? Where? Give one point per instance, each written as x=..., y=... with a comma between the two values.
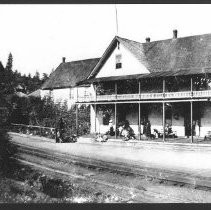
x=10, y=79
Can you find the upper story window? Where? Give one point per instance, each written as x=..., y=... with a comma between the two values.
x=118, y=61
x=86, y=92
x=71, y=93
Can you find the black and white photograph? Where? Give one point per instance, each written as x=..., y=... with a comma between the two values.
x=105, y=103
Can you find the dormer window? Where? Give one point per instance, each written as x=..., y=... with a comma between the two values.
x=118, y=61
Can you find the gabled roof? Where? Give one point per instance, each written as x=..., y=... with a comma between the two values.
x=36, y=94
x=69, y=73
x=166, y=55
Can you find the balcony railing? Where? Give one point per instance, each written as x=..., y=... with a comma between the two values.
x=151, y=95
x=147, y=96
x=185, y=94
x=201, y=94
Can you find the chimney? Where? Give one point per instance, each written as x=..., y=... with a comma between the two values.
x=148, y=39
x=174, y=34
x=63, y=59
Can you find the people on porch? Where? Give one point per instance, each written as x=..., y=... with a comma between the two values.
x=127, y=132
x=111, y=131
x=148, y=129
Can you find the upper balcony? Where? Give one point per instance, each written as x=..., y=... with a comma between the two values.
x=194, y=87
x=146, y=96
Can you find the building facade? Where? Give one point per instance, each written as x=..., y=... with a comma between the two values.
x=163, y=82
x=61, y=85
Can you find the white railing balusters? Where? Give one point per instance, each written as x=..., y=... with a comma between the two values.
x=145, y=96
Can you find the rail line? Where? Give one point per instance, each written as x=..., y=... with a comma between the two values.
x=144, y=196
x=122, y=169
x=161, y=175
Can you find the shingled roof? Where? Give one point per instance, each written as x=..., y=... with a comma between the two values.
x=69, y=73
x=186, y=53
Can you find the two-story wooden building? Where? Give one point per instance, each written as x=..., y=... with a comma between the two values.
x=163, y=82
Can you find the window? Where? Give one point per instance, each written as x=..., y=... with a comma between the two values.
x=71, y=93
x=118, y=61
x=86, y=92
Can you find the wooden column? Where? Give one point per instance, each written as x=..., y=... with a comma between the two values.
x=76, y=93
x=115, y=87
x=139, y=88
x=164, y=124
x=164, y=121
x=139, y=120
x=191, y=120
x=95, y=89
x=76, y=113
x=191, y=86
x=139, y=109
x=115, y=111
x=191, y=109
x=164, y=87
x=95, y=108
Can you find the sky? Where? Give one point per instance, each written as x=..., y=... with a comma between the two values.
x=38, y=36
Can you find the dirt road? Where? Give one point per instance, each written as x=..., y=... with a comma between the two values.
x=122, y=187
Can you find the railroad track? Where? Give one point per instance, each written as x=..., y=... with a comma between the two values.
x=161, y=177
x=143, y=196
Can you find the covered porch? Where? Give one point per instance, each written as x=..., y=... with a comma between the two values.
x=178, y=115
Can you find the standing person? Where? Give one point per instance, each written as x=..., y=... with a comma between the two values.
x=111, y=128
x=148, y=129
x=60, y=130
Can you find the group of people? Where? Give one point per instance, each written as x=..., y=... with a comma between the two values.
x=124, y=129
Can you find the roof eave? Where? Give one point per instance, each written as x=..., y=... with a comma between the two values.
x=109, y=48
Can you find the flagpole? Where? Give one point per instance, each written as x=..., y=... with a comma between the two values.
x=116, y=20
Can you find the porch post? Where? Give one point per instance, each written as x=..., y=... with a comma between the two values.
x=76, y=119
x=191, y=85
x=191, y=120
x=139, y=120
x=95, y=92
x=115, y=119
x=164, y=121
x=76, y=93
x=191, y=109
x=164, y=124
x=116, y=89
x=139, y=110
x=95, y=106
x=139, y=87
x=164, y=87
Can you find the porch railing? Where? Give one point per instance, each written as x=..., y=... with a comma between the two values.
x=185, y=94
x=127, y=96
x=151, y=95
x=147, y=96
x=203, y=93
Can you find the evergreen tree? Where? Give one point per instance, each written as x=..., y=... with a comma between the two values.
x=9, y=76
x=37, y=75
x=9, y=63
x=44, y=77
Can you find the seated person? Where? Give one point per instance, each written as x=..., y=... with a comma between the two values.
x=120, y=128
x=111, y=129
x=127, y=131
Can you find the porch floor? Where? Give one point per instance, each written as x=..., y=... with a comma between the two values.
x=182, y=139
